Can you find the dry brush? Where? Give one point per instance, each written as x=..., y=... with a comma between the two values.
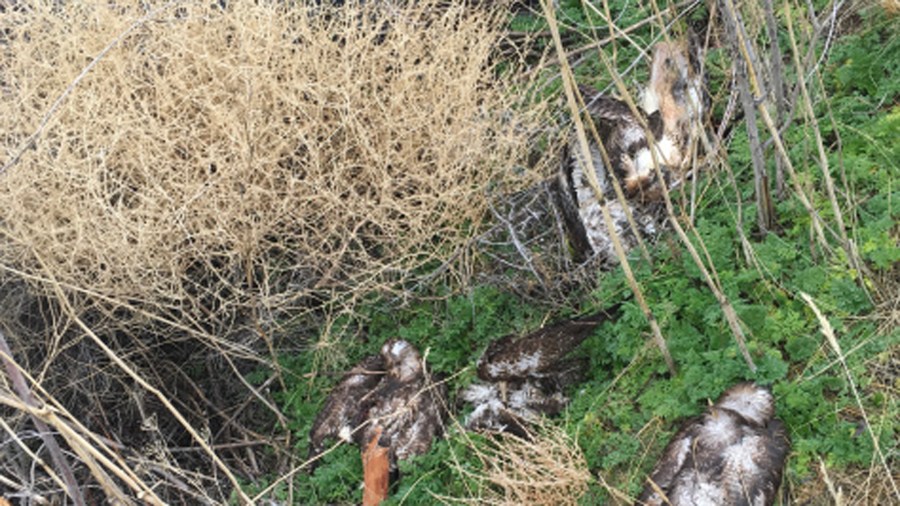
x=181, y=179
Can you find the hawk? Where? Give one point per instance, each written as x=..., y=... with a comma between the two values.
x=387, y=404
x=523, y=378
x=734, y=454
x=672, y=106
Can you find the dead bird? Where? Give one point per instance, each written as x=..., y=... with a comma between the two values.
x=672, y=107
x=523, y=378
x=387, y=405
x=733, y=454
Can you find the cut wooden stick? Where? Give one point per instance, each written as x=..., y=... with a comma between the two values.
x=376, y=472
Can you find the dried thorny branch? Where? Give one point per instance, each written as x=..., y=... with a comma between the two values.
x=31, y=141
x=277, y=194
x=191, y=182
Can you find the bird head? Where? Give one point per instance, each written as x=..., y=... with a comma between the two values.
x=402, y=359
x=754, y=403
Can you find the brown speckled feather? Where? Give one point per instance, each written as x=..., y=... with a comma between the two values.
x=537, y=354
x=523, y=378
x=734, y=454
x=346, y=406
x=409, y=407
x=390, y=395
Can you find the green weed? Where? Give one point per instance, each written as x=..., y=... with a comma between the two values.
x=628, y=406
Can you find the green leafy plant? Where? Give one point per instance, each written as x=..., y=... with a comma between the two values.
x=628, y=405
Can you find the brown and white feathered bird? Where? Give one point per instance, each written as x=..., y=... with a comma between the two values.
x=672, y=107
x=732, y=455
x=389, y=396
x=523, y=378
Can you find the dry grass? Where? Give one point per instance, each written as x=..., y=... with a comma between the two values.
x=547, y=469
x=892, y=7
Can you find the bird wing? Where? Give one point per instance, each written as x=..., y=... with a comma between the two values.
x=346, y=405
x=408, y=414
x=538, y=353
x=673, y=460
x=424, y=423
x=624, y=141
x=755, y=481
x=721, y=457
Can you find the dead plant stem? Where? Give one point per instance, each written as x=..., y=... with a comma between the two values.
x=852, y=256
x=24, y=392
x=828, y=332
x=570, y=90
x=61, y=296
x=31, y=141
x=764, y=208
x=759, y=98
x=730, y=314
